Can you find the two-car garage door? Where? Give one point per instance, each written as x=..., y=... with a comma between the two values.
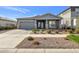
x=27, y=24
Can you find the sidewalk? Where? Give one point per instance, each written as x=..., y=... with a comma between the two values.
x=39, y=50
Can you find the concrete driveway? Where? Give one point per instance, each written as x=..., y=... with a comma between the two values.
x=11, y=38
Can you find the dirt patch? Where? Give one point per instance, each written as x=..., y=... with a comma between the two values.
x=47, y=42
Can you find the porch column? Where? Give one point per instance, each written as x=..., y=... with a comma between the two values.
x=35, y=24
x=59, y=24
x=46, y=24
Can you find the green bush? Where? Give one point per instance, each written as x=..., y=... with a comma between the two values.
x=7, y=28
x=49, y=31
x=35, y=30
x=42, y=30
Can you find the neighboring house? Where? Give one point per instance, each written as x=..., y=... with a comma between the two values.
x=5, y=22
x=70, y=17
x=44, y=21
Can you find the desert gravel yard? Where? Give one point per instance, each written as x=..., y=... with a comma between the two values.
x=47, y=42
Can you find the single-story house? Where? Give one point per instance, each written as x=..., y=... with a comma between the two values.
x=67, y=18
x=5, y=22
x=45, y=21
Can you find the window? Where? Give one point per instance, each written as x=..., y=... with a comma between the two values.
x=74, y=22
x=77, y=11
x=51, y=24
x=39, y=24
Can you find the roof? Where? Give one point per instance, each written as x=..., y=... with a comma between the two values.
x=6, y=19
x=68, y=9
x=64, y=10
x=44, y=16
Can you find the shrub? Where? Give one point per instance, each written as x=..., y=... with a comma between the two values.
x=30, y=38
x=66, y=38
x=68, y=27
x=49, y=31
x=1, y=28
x=34, y=30
x=7, y=28
x=77, y=31
x=36, y=43
x=44, y=38
x=71, y=31
x=57, y=32
x=43, y=30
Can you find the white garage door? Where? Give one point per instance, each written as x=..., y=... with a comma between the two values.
x=28, y=24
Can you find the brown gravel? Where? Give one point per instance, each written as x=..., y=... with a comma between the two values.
x=48, y=42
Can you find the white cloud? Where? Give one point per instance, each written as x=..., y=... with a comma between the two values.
x=21, y=10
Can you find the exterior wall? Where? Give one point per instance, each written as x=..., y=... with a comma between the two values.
x=75, y=17
x=4, y=23
x=26, y=24
x=71, y=17
x=30, y=24
x=66, y=21
x=77, y=22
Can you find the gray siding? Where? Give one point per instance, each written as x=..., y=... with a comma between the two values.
x=75, y=15
x=4, y=23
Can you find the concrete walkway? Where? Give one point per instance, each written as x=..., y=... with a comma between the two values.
x=47, y=35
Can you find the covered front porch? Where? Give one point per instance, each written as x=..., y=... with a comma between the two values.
x=47, y=21
x=47, y=24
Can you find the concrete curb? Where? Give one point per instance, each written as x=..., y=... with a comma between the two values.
x=39, y=50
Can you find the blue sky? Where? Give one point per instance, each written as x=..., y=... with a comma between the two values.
x=25, y=11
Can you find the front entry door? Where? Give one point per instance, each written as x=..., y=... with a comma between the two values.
x=40, y=24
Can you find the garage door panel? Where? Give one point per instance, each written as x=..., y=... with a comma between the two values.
x=27, y=25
